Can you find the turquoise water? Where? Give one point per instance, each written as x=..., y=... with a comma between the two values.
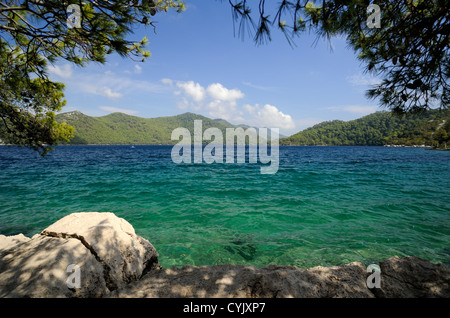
x=325, y=206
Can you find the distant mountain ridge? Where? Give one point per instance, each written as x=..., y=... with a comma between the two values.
x=377, y=129
x=123, y=129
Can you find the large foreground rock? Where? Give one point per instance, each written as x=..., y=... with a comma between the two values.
x=7, y=242
x=106, y=249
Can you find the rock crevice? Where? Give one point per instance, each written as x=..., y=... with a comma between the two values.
x=110, y=283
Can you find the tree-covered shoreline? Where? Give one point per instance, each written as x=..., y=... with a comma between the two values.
x=430, y=129
x=378, y=129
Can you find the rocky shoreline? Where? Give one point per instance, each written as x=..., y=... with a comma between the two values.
x=95, y=254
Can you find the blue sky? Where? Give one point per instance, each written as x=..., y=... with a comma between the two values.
x=199, y=65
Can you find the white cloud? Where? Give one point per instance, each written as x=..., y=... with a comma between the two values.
x=64, y=71
x=193, y=90
x=217, y=101
x=130, y=85
x=167, y=81
x=222, y=110
x=118, y=110
x=186, y=104
x=363, y=80
x=259, y=87
x=354, y=109
x=251, y=109
x=218, y=92
x=269, y=116
x=108, y=92
x=137, y=69
x=223, y=101
x=113, y=86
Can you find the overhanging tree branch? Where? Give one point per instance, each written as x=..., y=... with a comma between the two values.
x=410, y=52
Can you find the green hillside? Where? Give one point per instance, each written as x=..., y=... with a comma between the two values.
x=122, y=129
x=377, y=129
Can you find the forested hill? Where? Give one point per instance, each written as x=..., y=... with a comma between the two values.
x=123, y=129
x=377, y=129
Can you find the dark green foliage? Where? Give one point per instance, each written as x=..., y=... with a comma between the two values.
x=34, y=33
x=122, y=129
x=409, y=52
x=442, y=135
x=378, y=129
x=27, y=104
